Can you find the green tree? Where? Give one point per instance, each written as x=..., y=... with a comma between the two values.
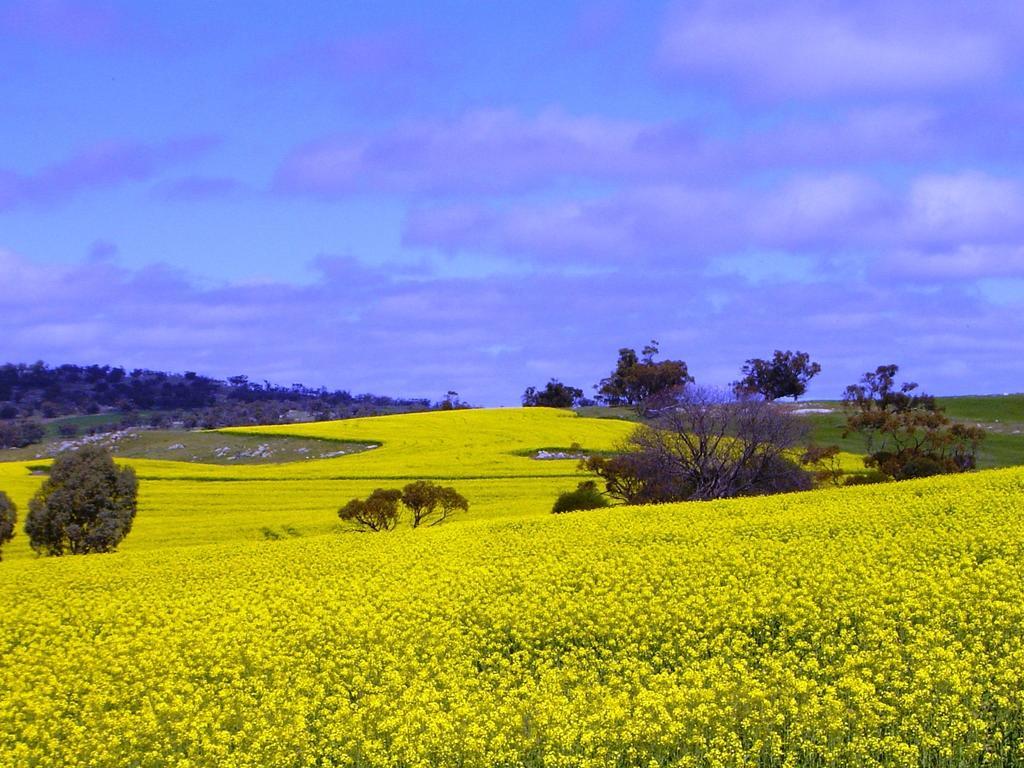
x=554, y=395
x=8, y=518
x=377, y=512
x=785, y=375
x=638, y=379
x=86, y=505
x=428, y=501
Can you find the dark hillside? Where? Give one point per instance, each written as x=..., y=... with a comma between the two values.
x=37, y=399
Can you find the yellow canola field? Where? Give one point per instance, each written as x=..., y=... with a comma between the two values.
x=869, y=626
x=477, y=451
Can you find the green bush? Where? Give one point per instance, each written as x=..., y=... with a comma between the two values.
x=866, y=478
x=586, y=496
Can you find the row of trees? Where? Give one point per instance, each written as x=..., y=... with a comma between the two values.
x=639, y=379
x=426, y=502
x=39, y=389
x=699, y=444
x=87, y=504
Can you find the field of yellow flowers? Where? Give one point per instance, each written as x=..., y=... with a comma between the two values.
x=484, y=454
x=869, y=626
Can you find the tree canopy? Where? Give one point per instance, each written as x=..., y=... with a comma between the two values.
x=430, y=503
x=707, y=445
x=785, y=375
x=554, y=395
x=639, y=378
x=377, y=512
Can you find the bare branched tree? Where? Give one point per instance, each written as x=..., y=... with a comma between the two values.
x=707, y=444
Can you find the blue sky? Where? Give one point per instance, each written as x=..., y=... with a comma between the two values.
x=408, y=198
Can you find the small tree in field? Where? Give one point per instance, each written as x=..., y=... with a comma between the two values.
x=906, y=433
x=785, y=375
x=428, y=501
x=378, y=512
x=87, y=505
x=8, y=518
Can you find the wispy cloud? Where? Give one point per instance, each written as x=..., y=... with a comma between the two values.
x=658, y=225
x=100, y=165
x=811, y=50
x=384, y=329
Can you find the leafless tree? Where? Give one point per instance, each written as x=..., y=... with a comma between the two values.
x=707, y=444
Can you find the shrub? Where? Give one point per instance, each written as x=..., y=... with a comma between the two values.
x=86, y=505
x=866, y=478
x=586, y=496
x=8, y=518
x=825, y=462
x=907, y=433
x=920, y=466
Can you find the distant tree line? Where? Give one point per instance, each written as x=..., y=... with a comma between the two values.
x=156, y=398
x=639, y=380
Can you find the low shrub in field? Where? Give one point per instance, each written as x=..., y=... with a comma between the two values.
x=586, y=496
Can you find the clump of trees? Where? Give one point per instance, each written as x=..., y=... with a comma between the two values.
x=706, y=444
x=555, y=395
x=427, y=503
x=19, y=433
x=785, y=375
x=906, y=433
x=8, y=519
x=638, y=379
x=451, y=402
x=87, y=504
x=586, y=496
